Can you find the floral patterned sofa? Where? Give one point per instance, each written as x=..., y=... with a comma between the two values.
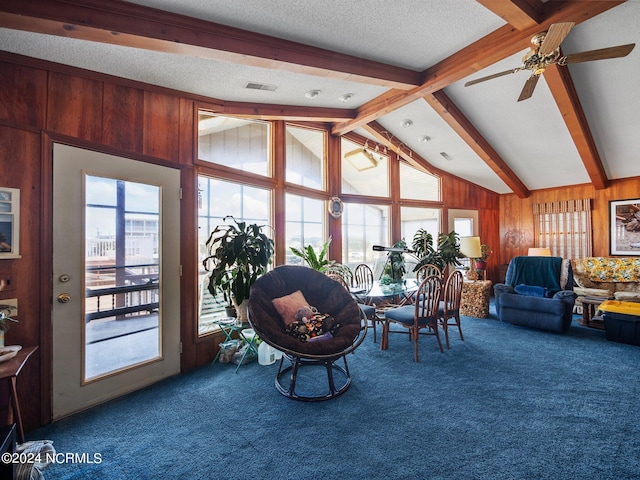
x=609, y=277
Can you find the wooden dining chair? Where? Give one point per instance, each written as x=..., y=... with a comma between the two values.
x=369, y=311
x=421, y=318
x=449, y=311
x=426, y=271
x=363, y=277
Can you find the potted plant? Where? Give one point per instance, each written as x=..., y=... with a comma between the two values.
x=481, y=262
x=5, y=320
x=446, y=253
x=237, y=255
x=318, y=262
x=395, y=268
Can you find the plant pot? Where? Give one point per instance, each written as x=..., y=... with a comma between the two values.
x=230, y=311
x=481, y=265
x=242, y=311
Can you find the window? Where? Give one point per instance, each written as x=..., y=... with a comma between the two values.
x=564, y=227
x=234, y=142
x=305, y=225
x=364, y=171
x=414, y=218
x=364, y=226
x=418, y=185
x=305, y=157
x=217, y=199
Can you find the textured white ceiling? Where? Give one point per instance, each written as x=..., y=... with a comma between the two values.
x=530, y=136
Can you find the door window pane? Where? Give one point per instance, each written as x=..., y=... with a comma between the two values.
x=305, y=225
x=305, y=157
x=364, y=171
x=216, y=200
x=234, y=142
x=364, y=226
x=122, y=279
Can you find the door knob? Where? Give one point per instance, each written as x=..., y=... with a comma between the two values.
x=64, y=298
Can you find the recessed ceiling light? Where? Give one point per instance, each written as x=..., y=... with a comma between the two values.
x=346, y=97
x=406, y=123
x=424, y=139
x=312, y=94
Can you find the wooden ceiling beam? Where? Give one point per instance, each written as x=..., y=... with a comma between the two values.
x=496, y=46
x=264, y=111
x=131, y=25
x=563, y=90
x=383, y=137
x=451, y=114
x=521, y=14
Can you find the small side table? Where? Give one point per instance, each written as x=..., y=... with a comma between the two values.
x=475, y=298
x=9, y=371
x=589, y=307
x=228, y=329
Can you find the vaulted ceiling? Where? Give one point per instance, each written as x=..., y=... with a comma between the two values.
x=403, y=63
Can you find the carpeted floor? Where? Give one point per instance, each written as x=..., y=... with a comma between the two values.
x=507, y=403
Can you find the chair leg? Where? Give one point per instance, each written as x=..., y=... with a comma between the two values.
x=373, y=325
x=416, y=336
x=384, y=342
x=446, y=335
x=438, y=337
x=459, y=327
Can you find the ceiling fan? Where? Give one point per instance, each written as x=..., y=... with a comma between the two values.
x=546, y=51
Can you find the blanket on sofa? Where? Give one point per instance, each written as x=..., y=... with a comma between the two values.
x=538, y=271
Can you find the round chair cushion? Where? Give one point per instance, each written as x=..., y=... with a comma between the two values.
x=323, y=293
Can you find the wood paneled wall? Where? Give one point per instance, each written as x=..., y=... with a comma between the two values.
x=516, y=215
x=41, y=103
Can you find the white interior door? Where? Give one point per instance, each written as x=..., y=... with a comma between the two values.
x=116, y=276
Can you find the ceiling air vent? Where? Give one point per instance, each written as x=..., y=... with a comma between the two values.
x=261, y=86
x=446, y=156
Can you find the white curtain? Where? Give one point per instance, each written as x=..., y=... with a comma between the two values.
x=564, y=227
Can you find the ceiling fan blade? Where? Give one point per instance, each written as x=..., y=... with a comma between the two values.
x=599, y=54
x=554, y=37
x=489, y=77
x=528, y=88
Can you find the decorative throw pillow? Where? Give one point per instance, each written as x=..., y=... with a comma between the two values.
x=531, y=290
x=288, y=305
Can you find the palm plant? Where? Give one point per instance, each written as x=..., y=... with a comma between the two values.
x=447, y=251
x=319, y=262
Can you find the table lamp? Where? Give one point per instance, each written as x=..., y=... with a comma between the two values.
x=470, y=248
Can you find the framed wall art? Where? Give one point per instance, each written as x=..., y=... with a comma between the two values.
x=9, y=223
x=624, y=224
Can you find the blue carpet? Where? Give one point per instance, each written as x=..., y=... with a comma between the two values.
x=507, y=403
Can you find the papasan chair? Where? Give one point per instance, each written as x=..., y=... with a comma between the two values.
x=274, y=300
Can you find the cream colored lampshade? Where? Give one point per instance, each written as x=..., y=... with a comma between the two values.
x=470, y=247
x=539, y=252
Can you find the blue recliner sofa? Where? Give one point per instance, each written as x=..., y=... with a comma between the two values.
x=538, y=293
